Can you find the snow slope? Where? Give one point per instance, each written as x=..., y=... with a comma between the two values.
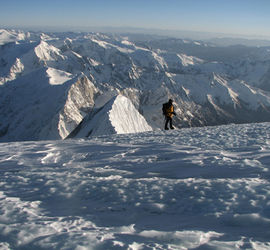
x=197, y=188
x=117, y=116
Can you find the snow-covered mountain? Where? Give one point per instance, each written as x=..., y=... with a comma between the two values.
x=50, y=82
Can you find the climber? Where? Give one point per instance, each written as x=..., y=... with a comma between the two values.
x=168, y=112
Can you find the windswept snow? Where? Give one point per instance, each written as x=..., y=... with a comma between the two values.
x=199, y=188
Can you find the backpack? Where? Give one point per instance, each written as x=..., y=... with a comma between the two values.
x=164, y=108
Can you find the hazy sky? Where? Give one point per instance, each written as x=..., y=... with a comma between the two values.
x=248, y=17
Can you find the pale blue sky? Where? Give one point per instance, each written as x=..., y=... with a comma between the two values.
x=248, y=17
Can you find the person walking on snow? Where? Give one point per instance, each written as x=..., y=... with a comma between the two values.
x=168, y=112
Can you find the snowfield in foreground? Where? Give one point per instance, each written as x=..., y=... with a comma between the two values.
x=198, y=188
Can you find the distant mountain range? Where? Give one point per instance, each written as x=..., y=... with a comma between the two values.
x=54, y=84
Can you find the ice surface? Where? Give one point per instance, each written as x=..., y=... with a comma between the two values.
x=199, y=188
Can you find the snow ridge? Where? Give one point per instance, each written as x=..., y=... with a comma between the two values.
x=117, y=116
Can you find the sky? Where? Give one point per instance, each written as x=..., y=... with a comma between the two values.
x=247, y=17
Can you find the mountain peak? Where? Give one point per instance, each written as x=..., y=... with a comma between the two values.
x=46, y=52
x=117, y=116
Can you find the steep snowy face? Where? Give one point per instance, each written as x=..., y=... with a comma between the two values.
x=34, y=109
x=118, y=116
x=79, y=102
x=125, y=118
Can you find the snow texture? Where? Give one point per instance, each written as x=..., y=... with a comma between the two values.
x=197, y=188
